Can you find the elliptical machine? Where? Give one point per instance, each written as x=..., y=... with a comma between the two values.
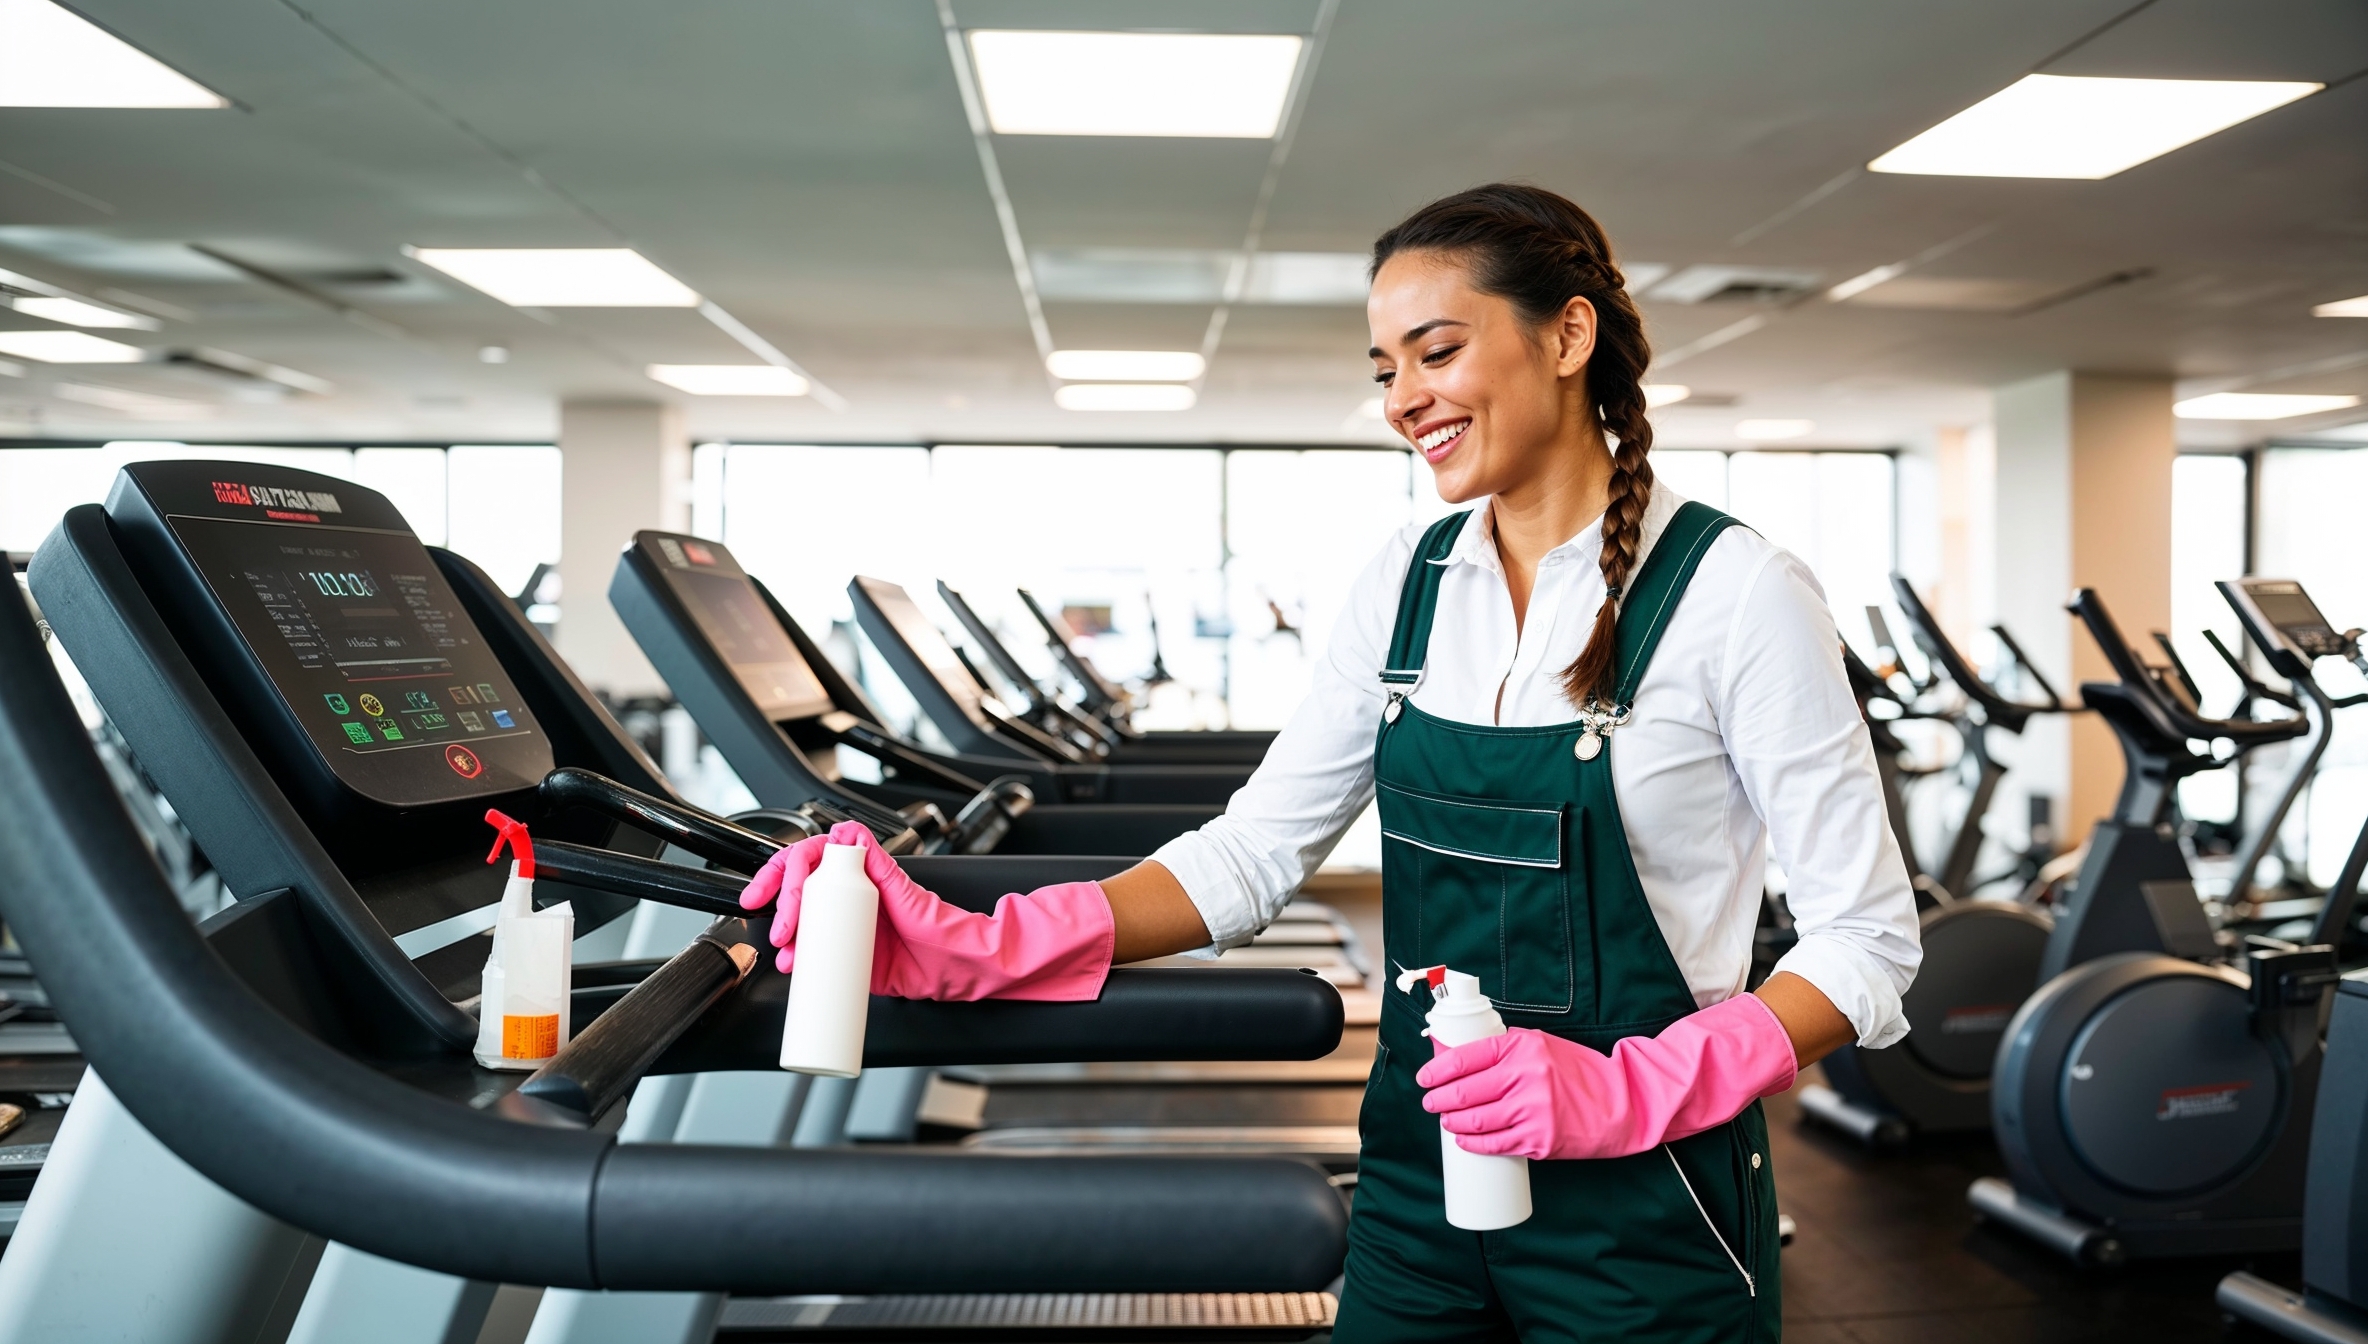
x=1981, y=958
x=2154, y=1099
x=2332, y=1306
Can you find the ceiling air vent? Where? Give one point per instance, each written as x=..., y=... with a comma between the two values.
x=1734, y=284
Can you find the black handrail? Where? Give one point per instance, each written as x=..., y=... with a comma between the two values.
x=702, y=833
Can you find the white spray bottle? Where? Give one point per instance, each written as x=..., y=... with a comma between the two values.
x=1483, y=1193
x=523, y=1011
x=830, y=985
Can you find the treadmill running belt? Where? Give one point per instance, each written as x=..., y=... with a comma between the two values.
x=859, y=1317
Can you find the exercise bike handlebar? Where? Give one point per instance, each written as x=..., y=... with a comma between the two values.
x=2174, y=712
x=1943, y=653
x=2253, y=688
x=2006, y=640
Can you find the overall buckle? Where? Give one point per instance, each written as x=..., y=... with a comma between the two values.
x=1595, y=725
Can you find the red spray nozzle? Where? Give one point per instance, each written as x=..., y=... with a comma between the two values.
x=1434, y=976
x=512, y=833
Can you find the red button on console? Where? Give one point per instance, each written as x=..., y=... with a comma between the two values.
x=463, y=761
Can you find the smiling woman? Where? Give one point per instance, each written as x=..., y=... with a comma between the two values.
x=1588, y=711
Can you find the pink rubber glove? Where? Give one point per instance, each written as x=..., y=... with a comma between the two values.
x=1532, y=1094
x=1052, y=944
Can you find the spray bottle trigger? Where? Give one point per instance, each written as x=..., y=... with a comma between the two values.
x=511, y=832
x=1435, y=976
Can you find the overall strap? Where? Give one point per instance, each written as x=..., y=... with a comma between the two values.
x=1657, y=585
x=1410, y=639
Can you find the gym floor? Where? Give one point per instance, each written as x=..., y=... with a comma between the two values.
x=1888, y=1251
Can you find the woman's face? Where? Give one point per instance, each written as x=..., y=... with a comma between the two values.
x=1487, y=397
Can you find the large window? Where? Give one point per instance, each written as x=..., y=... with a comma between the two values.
x=499, y=506
x=2208, y=503
x=2309, y=529
x=1836, y=511
x=1240, y=559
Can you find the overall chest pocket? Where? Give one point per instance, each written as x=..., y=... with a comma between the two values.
x=1485, y=886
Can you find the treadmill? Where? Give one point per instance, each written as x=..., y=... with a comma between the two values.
x=779, y=711
x=1116, y=740
x=332, y=708
x=978, y=725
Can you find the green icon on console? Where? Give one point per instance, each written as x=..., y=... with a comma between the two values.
x=390, y=730
x=337, y=705
x=356, y=733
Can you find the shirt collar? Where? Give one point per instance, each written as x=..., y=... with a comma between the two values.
x=1476, y=544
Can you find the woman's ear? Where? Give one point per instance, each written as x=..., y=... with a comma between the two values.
x=1574, y=337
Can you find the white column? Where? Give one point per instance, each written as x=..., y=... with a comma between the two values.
x=626, y=466
x=2083, y=500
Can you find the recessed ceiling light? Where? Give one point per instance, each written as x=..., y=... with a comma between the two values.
x=1866, y=280
x=561, y=277
x=1125, y=366
x=2081, y=126
x=730, y=380
x=1124, y=397
x=1225, y=86
x=1773, y=431
x=2343, y=308
x=76, y=313
x=1665, y=394
x=137, y=405
x=57, y=58
x=2258, y=405
x=68, y=347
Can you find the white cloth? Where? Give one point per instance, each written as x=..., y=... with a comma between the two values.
x=1745, y=740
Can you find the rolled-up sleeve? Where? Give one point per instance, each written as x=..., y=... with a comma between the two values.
x=1241, y=868
x=1805, y=761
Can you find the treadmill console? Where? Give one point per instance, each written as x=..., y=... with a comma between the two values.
x=2281, y=614
x=733, y=615
x=928, y=643
x=322, y=620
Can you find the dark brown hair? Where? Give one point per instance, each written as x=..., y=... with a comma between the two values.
x=1538, y=251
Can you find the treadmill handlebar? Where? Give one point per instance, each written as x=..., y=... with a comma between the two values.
x=319, y=1140
x=599, y=1067
x=702, y=833
x=1163, y=1014
x=709, y=893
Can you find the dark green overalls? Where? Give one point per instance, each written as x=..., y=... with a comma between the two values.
x=1504, y=857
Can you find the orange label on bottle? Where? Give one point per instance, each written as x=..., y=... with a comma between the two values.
x=530, y=1037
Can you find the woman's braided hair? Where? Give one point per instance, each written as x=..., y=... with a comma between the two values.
x=1538, y=250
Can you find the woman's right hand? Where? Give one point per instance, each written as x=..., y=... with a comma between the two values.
x=1053, y=943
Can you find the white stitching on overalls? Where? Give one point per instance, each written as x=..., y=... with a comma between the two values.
x=1748, y=1282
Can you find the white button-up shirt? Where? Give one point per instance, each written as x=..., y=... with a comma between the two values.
x=1746, y=742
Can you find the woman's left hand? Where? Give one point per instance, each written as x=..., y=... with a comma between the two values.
x=1528, y=1093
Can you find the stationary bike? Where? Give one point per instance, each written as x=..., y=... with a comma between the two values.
x=2332, y=1306
x=1981, y=958
x=2155, y=1099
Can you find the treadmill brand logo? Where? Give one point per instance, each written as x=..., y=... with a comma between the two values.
x=2193, y=1103
x=274, y=500
x=1976, y=1019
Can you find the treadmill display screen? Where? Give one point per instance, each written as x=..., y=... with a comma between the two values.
x=369, y=648
x=733, y=616
x=928, y=643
